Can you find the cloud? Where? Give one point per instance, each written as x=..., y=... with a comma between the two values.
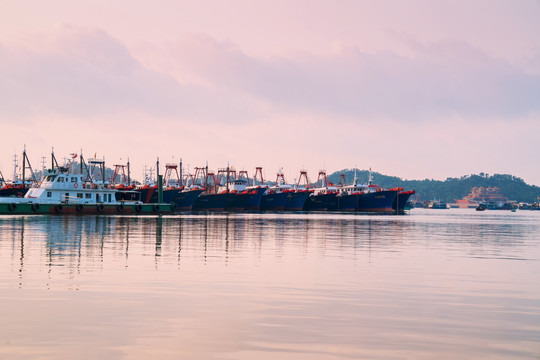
x=442, y=79
x=87, y=73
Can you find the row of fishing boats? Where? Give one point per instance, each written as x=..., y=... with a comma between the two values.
x=81, y=186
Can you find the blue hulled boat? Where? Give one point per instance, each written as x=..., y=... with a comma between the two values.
x=323, y=196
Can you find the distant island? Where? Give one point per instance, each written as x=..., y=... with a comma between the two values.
x=513, y=187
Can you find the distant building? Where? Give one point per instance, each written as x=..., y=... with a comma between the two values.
x=464, y=203
x=489, y=194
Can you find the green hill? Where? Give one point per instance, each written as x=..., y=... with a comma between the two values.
x=511, y=186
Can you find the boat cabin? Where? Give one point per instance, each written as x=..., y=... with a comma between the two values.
x=63, y=187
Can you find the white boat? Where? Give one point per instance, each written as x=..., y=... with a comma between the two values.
x=65, y=192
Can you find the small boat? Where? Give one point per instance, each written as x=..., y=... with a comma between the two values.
x=481, y=207
x=436, y=204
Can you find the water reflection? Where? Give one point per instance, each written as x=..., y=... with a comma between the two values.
x=247, y=286
x=86, y=243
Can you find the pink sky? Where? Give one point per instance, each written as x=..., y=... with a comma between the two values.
x=415, y=89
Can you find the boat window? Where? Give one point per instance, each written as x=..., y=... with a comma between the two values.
x=49, y=194
x=109, y=197
x=73, y=179
x=88, y=196
x=50, y=178
x=97, y=198
x=60, y=179
x=79, y=195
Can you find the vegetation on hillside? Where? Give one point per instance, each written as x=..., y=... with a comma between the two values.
x=450, y=189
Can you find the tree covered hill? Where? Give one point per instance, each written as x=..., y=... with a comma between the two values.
x=452, y=188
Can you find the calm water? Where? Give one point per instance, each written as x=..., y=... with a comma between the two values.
x=439, y=284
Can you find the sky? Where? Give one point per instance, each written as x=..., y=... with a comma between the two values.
x=416, y=89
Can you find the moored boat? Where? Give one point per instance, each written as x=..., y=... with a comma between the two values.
x=212, y=198
x=62, y=192
x=363, y=197
x=18, y=187
x=246, y=196
x=283, y=196
x=322, y=196
x=401, y=200
x=186, y=197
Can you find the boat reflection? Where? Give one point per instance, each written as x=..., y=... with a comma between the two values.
x=73, y=245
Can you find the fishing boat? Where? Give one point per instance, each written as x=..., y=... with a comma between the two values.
x=276, y=196
x=186, y=197
x=18, y=186
x=212, y=198
x=363, y=197
x=183, y=196
x=283, y=196
x=62, y=192
x=245, y=195
x=149, y=188
x=322, y=196
x=401, y=201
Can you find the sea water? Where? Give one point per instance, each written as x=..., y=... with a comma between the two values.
x=432, y=284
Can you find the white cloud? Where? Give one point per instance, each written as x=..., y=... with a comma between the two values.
x=87, y=73
x=442, y=79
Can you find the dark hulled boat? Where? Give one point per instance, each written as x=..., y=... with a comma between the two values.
x=401, y=200
x=366, y=197
x=345, y=202
x=348, y=195
x=255, y=196
x=283, y=196
x=297, y=199
x=379, y=201
x=208, y=201
x=13, y=190
x=322, y=198
x=242, y=197
x=212, y=198
x=185, y=199
x=149, y=194
x=274, y=200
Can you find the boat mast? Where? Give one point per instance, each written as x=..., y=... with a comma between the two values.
x=54, y=163
x=103, y=171
x=181, y=175
x=14, y=168
x=258, y=170
x=24, y=165
x=227, y=186
x=206, y=175
x=157, y=170
x=80, y=164
x=129, y=173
